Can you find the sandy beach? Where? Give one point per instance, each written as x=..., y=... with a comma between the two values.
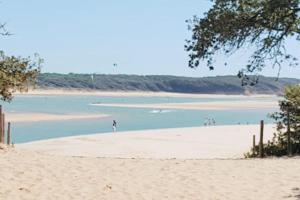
x=36, y=117
x=183, y=143
x=74, y=168
x=192, y=163
x=29, y=175
x=150, y=100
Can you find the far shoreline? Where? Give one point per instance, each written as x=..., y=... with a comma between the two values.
x=78, y=92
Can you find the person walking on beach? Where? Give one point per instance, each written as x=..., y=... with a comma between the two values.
x=114, y=126
x=213, y=121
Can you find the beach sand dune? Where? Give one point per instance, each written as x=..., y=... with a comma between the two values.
x=30, y=175
x=186, y=163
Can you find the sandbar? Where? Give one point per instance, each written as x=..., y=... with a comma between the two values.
x=37, y=117
x=230, y=141
x=224, y=105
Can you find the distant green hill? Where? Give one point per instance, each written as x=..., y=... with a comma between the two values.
x=206, y=85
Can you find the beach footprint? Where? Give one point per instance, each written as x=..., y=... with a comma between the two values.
x=295, y=193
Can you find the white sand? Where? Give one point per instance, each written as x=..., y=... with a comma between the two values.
x=35, y=117
x=183, y=143
x=49, y=170
x=224, y=105
x=42, y=92
x=27, y=175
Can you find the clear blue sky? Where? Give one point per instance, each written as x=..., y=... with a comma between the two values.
x=143, y=37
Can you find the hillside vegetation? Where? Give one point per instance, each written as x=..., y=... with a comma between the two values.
x=207, y=85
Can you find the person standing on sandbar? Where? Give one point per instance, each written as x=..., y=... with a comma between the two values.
x=114, y=126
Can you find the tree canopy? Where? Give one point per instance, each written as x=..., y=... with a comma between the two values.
x=16, y=73
x=232, y=24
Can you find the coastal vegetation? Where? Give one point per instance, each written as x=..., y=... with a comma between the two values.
x=16, y=73
x=287, y=139
x=207, y=85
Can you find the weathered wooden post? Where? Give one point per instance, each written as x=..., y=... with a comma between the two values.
x=261, y=141
x=289, y=145
x=253, y=148
x=8, y=134
x=3, y=128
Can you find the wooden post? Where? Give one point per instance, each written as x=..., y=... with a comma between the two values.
x=1, y=128
x=289, y=146
x=253, y=145
x=261, y=141
x=8, y=134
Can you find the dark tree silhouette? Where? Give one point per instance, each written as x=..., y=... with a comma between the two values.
x=232, y=24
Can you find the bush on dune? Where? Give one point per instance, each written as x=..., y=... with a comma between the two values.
x=287, y=118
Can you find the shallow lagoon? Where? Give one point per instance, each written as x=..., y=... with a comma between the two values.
x=127, y=118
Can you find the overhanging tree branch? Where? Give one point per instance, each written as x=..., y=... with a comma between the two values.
x=231, y=24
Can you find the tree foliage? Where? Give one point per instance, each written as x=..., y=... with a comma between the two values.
x=17, y=74
x=232, y=24
x=290, y=105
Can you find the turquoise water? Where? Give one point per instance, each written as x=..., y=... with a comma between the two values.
x=127, y=118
